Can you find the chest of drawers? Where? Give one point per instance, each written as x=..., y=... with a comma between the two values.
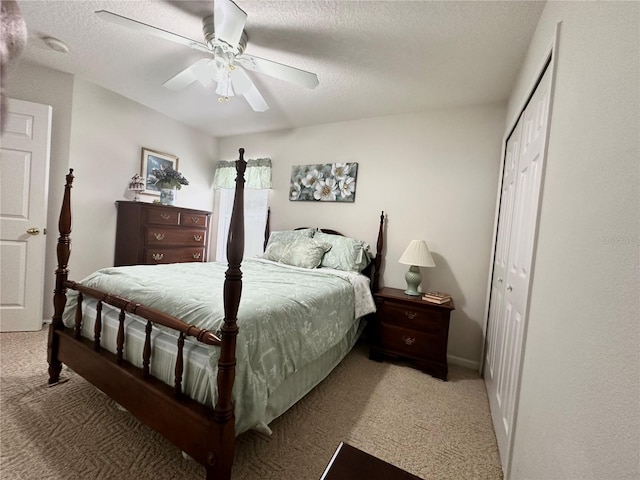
x=411, y=329
x=148, y=233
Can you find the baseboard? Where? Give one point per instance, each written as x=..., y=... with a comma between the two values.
x=46, y=321
x=463, y=362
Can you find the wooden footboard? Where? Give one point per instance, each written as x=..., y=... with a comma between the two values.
x=207, y=435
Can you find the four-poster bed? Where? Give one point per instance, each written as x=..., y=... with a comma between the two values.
x=204, y=430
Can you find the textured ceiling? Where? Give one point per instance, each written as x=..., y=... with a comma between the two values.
x=372, y=58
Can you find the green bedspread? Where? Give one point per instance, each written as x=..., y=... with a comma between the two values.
x=287, y=317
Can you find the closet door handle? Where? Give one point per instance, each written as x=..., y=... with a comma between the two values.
x=499, y=280
x=509, y=288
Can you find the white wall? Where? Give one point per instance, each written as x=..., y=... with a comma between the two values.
x=107, y=135
x=49, y=87
x=104, y=133
x=435, y=176
x=579, y=412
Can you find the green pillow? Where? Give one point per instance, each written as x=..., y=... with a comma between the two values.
x=301, y=252
x=288, y=236
x=346, y=253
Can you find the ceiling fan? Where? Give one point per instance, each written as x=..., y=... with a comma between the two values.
x=225, y=40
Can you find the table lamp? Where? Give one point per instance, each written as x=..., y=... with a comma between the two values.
x=136, y=185
x=416, y=255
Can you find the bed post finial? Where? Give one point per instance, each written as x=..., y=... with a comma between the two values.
x=378, y=260
x=60, y=291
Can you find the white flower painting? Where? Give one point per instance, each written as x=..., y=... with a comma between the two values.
x=331, y=182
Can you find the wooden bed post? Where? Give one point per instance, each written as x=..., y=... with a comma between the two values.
x=223, y=411
x=378, y=260
x=60, y=292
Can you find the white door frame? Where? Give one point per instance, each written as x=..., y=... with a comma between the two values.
x=549, y=62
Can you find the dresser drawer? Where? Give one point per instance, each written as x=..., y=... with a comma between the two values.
x=408, y=316
x=173, y=255
x=157, y=236
x=411, y=343
x=193, y=220
x=163, y=216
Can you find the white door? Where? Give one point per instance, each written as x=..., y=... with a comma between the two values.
x=519, y=205
x=24, y=185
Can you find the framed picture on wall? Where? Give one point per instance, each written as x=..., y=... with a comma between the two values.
x=150, y=161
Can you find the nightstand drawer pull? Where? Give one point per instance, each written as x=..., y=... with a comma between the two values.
x=159, y=236
x=411, y=315
x=408, y=340
x=196, y=256
x=195, y=220
x=157, y=256
x=197, y=238
x=165, y=216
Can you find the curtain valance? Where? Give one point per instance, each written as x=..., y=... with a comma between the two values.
x=257, y=174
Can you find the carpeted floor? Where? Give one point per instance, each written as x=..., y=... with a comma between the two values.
x=433, y=429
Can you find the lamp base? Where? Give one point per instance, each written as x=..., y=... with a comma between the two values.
x=413, y=278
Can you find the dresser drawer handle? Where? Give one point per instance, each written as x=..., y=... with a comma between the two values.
x=157, y=256
x=410, y=315
x=196, y=256
x=408, y=340
x=165, y=216
x=197, y=238
x=195, y=220
x=159, y=236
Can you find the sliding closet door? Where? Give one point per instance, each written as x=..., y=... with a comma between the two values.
x=517, y=224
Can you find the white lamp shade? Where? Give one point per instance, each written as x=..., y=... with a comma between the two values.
x=417, y=253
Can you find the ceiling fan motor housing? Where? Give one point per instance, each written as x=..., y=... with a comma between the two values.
x=209, y=31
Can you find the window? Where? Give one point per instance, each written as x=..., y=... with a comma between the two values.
x=257, y=184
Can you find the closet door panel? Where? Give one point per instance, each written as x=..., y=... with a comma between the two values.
x=515, y=243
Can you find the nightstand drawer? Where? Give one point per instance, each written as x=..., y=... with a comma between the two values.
x=408, y=316
x=412, y=343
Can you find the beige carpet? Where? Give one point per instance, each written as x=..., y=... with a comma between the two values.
x=433, y=429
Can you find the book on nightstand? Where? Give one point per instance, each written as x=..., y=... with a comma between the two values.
x=436, y=297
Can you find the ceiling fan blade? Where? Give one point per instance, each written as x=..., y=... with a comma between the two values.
x=242, y=85
x=229, y=20
x=151, y=30
x=202, y=71
x=278, y=70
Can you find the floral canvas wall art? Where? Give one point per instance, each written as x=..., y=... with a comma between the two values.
x=329, y=182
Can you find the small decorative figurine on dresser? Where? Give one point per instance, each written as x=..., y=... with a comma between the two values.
x=410, y=328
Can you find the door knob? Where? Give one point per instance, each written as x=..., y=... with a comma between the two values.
x=33, y=231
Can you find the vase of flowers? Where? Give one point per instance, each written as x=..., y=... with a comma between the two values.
x=168, y=181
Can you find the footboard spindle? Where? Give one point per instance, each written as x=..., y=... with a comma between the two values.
x=78, y=319
x=120, y=339
x=97, y=330
x=179, y=366
x=146, y=352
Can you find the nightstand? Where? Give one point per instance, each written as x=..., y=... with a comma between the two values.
x=412, y=329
